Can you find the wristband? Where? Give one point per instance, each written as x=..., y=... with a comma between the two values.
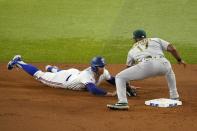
x=179, y=60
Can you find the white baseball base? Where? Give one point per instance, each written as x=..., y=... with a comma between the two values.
x=163, y=102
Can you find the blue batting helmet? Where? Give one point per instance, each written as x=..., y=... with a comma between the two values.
x=97, y=61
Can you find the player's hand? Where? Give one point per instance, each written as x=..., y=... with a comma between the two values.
x=111, y=93
x=182, y=62
x=130, y=90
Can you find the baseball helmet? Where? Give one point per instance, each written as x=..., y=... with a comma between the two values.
x=97, y=61
x=139, y=34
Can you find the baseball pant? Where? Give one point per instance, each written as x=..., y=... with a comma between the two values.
x=145, y=69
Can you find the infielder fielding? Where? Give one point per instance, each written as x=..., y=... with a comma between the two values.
x=73, y=79
x=146, y=59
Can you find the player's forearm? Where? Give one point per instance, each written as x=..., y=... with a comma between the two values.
x=95, y=90
x=176, y=55
x=174, y=52
x=112, y=80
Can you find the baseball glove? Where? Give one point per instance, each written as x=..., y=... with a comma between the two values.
x=130, y=90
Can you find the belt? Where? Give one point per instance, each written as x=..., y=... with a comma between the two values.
x=147, y=58
x=68, y=77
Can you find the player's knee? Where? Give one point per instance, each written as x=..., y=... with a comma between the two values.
x=120, y=79
x=118, y=76
x=38, y=74
x=170, y=72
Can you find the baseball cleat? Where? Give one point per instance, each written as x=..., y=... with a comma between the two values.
x=11, y=64
x=50, y=68
x=118, y=106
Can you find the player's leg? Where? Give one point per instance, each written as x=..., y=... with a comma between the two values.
x=171, y=80
x=170, y=77
x=133, y=73
x=136, y=72
x=47, y=78
x=141, y=71
x=58, y=79
x=17, y=62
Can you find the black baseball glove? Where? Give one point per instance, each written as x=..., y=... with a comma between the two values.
x=130, y=90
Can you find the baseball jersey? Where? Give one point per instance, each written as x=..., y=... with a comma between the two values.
x=79, y=81
x=71, y=78
x=146, y=47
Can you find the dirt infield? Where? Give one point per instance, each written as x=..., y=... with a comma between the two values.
x=27, y=105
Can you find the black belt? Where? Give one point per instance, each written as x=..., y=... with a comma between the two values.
x=158, y=56
x=68, y=77
x=149, y=57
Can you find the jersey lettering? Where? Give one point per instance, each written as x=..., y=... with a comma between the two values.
x=142, y=45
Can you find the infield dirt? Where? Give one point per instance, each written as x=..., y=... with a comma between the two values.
x=28, y=105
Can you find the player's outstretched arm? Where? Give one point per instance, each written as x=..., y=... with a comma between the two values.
x=176, y=55
x=92, y=88
x=112, y=81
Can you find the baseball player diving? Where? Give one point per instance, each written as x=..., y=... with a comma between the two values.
x=73, y=79
x=146, y=59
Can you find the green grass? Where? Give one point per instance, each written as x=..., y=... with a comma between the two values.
x=187, y=51
x=67, y=31
x=71, y=50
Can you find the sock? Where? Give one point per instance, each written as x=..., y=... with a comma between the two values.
x=30, y=69
x=55, y=70
x=49, y=69
x=52, y=69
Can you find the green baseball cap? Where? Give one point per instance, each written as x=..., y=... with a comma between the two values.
x=139, y=34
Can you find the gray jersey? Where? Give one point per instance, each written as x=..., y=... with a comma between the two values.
x=146, y=59
x=146, y=47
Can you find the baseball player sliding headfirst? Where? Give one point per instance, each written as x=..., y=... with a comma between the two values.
x=146, y=59
x=73, y=79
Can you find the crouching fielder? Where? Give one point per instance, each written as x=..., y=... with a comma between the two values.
x=72, y=78
x=146, y=59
